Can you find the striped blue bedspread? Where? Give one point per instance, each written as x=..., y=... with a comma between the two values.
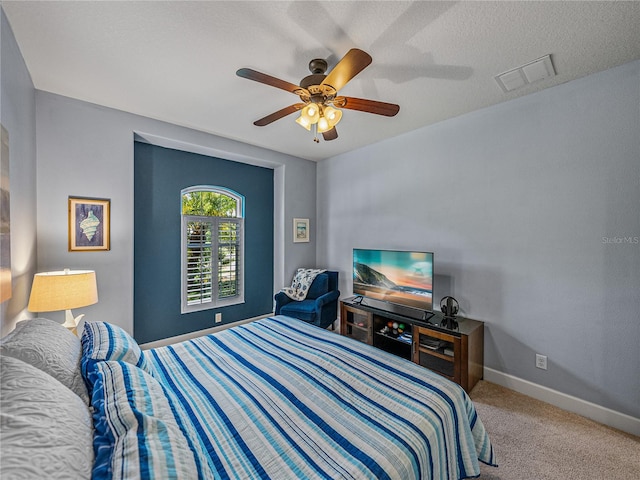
x=281, y=399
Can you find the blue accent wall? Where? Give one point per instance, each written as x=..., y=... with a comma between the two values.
x=159, y=176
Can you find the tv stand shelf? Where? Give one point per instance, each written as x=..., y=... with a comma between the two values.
x=456, y=353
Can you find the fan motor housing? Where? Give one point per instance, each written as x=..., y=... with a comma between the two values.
x=313, y=79
x=317, y=67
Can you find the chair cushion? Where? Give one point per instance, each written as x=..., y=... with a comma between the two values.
x=319, y=287
x=304, y=310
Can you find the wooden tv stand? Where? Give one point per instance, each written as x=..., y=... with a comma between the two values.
x=455, y=353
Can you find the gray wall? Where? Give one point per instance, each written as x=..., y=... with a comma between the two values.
x=527, y=206
x=17, y=115
x=87, y=150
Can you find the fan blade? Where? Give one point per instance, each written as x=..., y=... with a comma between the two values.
x=278, y=115
x=369, y=106
x=330, y=134
x=351, y=64
x=269, y=80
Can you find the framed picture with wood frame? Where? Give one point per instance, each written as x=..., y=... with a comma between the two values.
x=89, y=224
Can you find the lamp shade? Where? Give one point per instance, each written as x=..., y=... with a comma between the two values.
x=52, y=291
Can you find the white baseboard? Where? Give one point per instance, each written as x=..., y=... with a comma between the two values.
x=606, y=416
x=189, y=336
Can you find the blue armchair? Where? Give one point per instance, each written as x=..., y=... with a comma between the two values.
x=320, y=307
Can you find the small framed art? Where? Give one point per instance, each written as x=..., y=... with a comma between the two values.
x=300, y=230
x=89, y=224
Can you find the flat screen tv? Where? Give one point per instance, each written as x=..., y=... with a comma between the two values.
x=398, y=277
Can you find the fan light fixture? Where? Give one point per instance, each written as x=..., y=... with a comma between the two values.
x=324, y=117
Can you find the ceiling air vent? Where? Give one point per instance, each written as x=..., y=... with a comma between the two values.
x=526, y=74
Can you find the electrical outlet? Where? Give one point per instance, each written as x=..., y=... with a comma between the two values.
x=219, y=319
x=541, y=361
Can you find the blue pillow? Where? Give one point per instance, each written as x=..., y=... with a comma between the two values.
x=105, y=341
x=137, y=434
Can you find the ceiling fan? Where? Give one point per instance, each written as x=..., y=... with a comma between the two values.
x=319, y=100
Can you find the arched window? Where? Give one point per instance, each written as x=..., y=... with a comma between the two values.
x=212, y=247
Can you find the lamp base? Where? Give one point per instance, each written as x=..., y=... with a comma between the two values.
x=70, y=322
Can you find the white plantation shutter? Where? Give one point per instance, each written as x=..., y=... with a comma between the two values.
x=212, y=259
x=199, y=286
x=229, y=257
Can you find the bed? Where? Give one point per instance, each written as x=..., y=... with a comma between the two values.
x=275, y=398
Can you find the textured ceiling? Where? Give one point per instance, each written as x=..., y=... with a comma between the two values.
x=176, y=61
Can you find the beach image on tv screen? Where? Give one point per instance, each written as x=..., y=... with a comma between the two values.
x=394, y=276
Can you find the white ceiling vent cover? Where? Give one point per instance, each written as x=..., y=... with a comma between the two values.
x=531, y=72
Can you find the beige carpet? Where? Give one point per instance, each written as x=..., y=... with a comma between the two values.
x=537, y=441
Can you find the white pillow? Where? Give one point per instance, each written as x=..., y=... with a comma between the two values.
x=50, y=347
x=46, y=430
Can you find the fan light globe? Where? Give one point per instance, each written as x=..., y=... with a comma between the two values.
x=311, y=113
x=333, y=115
x=303, y=122
x=323, y=125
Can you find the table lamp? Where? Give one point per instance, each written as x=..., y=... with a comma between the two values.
x=53, y=291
